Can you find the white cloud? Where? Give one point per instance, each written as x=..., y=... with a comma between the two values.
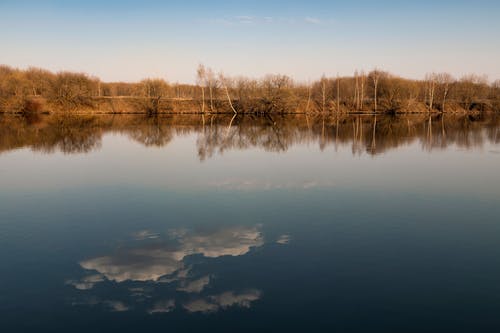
x=229, y=298
x=145, y=234
x=222, y=301
x=246, y=19
x=231, y=241
x=253, y=20
x=87, y=282
x=283, y=239
x=201, y=305
x=163, y=306
x=117, y=306
x=195, y=286
x=163, y=262
x=253, y=184
x=128, y=266
x=154, y=261
x=313, y=20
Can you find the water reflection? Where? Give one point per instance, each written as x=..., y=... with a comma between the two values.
x=219, y=133
x=159, y=266
x=222, y=301
x=344, y=238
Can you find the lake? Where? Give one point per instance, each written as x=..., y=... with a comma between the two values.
x=185, y=223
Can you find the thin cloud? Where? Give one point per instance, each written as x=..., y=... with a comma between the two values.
x=268, y=20
x=145, y=234
x=222, y=301
x=163, y=307
x=318, y=21
x=116, y=306
x=246, y=19
x=87, y=282
x=253, y=184
x=195, y=286
x=283, y=239
x=313, y=20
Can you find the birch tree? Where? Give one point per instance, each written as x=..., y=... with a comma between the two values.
x=444, y=80
x=375, y=77
x=201, y=75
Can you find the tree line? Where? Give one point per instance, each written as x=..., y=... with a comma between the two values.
x=39, y=90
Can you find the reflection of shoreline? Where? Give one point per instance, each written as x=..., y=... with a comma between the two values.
x=219, y=133
x=157, y=266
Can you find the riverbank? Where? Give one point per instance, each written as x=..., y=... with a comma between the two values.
x=150, y=106
x=40, y=91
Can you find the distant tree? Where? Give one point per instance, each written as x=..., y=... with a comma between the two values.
x=201, y=73
x=471, y=89
x=226, y=82
x=375, y=77
x=444, y=81
x=153, y=90
x=323, y=82
x=39, y=80
x=71, y=90
x=430, y=80
x=22, y=90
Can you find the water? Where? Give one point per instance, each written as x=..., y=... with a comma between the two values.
x=190, y=223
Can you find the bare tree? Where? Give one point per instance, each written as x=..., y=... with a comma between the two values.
x=431, y=88
x=224, y=82
x=472, y=89
x=338, y=93
x=444, y=80
x=212, y=86
x=375, y=76
x=357, y=93
x=362, y=93
x=201, y=75
x=323, y=92
x=20, y=90
x=309, y=90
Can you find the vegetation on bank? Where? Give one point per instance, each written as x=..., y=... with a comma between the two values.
x=37, y=90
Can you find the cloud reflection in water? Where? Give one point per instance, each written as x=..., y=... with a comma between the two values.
x=159, y=262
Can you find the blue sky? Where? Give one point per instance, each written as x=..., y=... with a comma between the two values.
x=129, y=40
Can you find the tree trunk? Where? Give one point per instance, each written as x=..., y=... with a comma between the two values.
x=362, y=91
x=211, y=98
x=308, y=98
x=203, y=99
x=444, y=99
x=338, y=94
x=323, y=90
x=229, y=99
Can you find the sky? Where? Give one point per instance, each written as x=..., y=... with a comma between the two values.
x=129, y=40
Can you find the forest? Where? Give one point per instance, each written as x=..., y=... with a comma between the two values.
x=36, y=90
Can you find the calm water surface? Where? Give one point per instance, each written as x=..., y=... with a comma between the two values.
x=294, y=224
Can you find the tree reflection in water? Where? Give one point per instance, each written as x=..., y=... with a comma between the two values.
x=219, y=133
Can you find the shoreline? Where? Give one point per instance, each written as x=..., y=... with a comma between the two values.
x=134, y=106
